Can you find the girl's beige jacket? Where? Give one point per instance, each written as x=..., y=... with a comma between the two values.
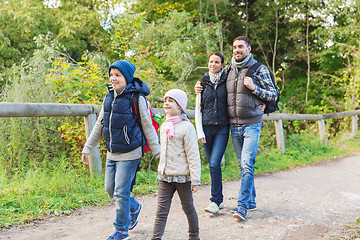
x=179, y=156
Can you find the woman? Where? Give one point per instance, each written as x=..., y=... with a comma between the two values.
x=212, y=124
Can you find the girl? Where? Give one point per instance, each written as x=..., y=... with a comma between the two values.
x=212, y=124
x=124, y=141
x=179, y=167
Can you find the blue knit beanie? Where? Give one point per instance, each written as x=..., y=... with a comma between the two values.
x=125, y=67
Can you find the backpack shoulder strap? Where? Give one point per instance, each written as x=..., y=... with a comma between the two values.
x=228, y=70
x=252, y=69
x=134, y=104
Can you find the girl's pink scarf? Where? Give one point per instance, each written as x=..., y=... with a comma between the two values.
x=169, y=125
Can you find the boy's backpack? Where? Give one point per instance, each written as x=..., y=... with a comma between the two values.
x=134, y=103
x=271, y=106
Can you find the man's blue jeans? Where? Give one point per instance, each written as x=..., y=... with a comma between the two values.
x=246, y=139
x=118, y=178
x=216, y=142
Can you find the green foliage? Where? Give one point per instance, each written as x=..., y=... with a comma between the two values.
x=78, y=83
x=76, y=25
x=29, y=142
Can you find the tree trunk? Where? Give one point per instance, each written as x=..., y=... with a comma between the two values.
x=276, y=39
x=308, y=57
x=247, y=17
x=356, y=76
x=220, y=35
x=200, y=9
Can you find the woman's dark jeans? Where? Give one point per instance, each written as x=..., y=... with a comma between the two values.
x=216, y=141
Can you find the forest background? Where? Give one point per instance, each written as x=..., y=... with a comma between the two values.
x=59, y=51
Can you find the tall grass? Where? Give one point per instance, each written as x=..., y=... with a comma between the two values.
x=35, y=193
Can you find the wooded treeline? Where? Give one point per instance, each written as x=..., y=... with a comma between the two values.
x=59, y=51
x=311, y=45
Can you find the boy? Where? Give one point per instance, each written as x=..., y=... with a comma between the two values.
x=124, y=141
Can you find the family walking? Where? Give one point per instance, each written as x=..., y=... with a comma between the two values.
x=226, y=101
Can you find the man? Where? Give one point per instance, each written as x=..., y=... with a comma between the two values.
x=245, y=109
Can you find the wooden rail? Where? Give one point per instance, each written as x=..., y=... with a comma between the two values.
x=89, y=113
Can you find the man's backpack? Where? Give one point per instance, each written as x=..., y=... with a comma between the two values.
x=271, y=106
x=134, y=103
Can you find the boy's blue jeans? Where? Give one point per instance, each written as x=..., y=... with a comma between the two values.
x=118, y=178
x=246, y=139
x=216, y=142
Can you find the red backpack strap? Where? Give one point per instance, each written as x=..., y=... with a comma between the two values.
x=134, y=105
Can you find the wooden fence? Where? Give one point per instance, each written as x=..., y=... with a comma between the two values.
x=89, y=113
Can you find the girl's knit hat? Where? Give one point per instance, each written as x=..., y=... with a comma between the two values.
x=125, y=67
x=179, y=96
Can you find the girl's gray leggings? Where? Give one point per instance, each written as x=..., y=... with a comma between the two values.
x=165, y=195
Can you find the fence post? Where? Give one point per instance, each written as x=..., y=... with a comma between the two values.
x=94, y=158
x=280, y=136
x=354, y=125
x=322, y=131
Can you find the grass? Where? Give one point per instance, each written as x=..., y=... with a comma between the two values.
x=351, y=231
x=40, y=192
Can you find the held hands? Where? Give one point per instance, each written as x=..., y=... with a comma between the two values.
x=203, y=140
x=248, y=82
x=194, y=188
x=85, y=158
x=198, y=87
x=262, y=107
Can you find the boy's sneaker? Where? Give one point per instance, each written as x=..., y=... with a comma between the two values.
x=252, y=207
x=240, y=214
x=212, y=208
x=118, y=236
x=221, y=206
x=134, y=218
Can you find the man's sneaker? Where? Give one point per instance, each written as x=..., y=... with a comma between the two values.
x=251, y=208
x=221, y=206
x=240, y=214
x=118, y=236
x=212, y=208
x=134, y=218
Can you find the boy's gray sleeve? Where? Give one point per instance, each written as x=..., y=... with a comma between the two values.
x=148, y=129
x=96, y=133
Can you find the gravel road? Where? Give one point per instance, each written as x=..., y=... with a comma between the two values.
x=312, y=202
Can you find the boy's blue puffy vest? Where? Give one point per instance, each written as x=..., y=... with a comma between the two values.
x=121, y=132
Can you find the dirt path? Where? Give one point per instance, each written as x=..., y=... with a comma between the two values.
x=312, y=202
